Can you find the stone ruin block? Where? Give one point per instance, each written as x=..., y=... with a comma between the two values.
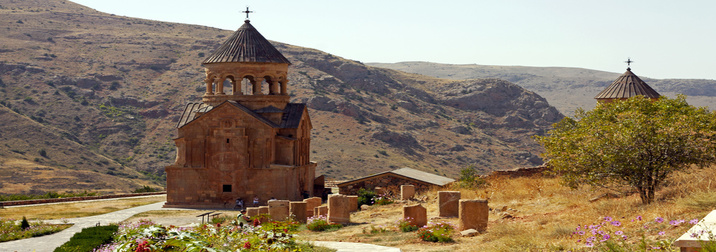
x=379, y=190
x=353, y=200
x=339, y=209
x=252, y=211
x=473, y=215
x=320, y=210
x=449, y=203
x=263, y=210
x=407, y=192
x=298, y=210
x=311, y=204
x=278, y=209
x=417, y=215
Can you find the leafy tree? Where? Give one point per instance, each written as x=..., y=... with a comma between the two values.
x=635, y=142
x=469, y=178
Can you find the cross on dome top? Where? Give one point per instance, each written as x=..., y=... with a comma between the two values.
x=629, y=61
x=247, y=11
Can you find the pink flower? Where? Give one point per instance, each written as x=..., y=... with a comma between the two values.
x=662, y=233
x=693, y=222
x=659, y=220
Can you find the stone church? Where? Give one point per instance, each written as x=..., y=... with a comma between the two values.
x=245, y=139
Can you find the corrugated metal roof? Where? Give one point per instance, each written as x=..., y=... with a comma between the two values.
x=410, y=173
x=246, y=45
x=627, y=85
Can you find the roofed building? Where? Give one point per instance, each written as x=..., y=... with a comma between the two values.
x=242, y=142
x=626, y=86
x=392, y=180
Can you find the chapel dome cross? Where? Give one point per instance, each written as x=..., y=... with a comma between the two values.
x=247, y=11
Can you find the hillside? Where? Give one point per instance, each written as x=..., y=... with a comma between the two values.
x=101, y=94
x=553, y=82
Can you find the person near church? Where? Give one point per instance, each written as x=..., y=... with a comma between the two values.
x=256, y=201
x=239, y=203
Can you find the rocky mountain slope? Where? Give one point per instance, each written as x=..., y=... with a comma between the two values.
x=553, y=83
x=90, y=100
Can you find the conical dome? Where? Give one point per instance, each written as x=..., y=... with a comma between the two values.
x=627, y=85
x=246, y=45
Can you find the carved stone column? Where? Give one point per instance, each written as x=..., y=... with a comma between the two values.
x=257, y=85
x=283, y=83
x=209, y=86
x=220, y=87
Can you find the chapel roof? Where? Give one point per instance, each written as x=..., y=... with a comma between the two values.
x=626, y=86
x=291, y=117
x=246, y=45
x=408, y=173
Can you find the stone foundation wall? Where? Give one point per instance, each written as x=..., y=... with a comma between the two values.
x=390, y=183
x=521, y=172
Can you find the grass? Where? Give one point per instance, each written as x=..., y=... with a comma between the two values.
x=76, y=209
x=545, y=214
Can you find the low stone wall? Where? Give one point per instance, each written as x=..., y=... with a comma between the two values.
x=388, y=182
x=521, y=172
x=57, y=200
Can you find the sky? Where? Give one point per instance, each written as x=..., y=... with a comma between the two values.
x=666, y=39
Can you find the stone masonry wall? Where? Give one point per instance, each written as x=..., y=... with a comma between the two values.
x=390, y=183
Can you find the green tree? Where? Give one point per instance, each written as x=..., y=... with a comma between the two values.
x=635, y=142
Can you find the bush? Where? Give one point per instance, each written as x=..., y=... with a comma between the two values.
x=320, y=223
x=405, y=226
x=24, y=224
x=439, y=232
x=9, y=231
x=89, y=238
x=365, y=197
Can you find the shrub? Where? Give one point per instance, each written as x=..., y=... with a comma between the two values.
x=320, y=223
x=24, y=224
x=437, y=232
x=89, y=238
x=405, y=226
x=365, y=197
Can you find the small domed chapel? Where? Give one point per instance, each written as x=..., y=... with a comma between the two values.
x=245, y=139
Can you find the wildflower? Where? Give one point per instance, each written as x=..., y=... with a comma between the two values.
x=662, y=233
x=616, y=223
x=607, y=219
x=581, y=232
x=619, y=232
x=659, y=220
x=693, y=222
x=605, y=237
x=638, y=218
x=674, y=223
x=694, y=235
x=247, y=245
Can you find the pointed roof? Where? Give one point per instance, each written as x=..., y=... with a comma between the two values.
x=246, y=45
x=627, y=85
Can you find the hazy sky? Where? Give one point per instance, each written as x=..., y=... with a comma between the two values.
x=666, y=39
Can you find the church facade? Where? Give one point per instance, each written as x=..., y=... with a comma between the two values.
x=244, y=139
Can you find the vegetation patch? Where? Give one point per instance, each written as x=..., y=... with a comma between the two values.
x=89, y=238
x=11, y=230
